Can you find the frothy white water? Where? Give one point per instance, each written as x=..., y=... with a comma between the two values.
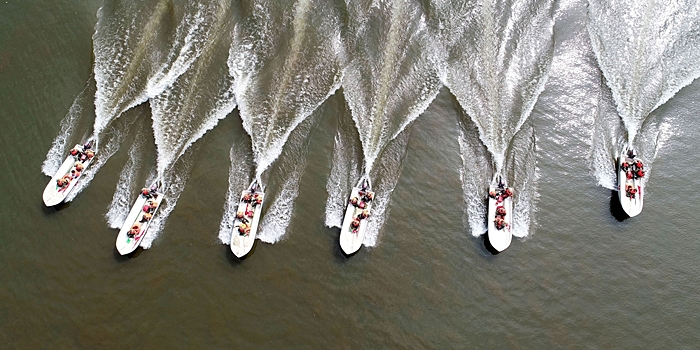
x=273, y=100
x=123, y=198
x=475, y=176
x=174, y=180
x=195, y=102
x=497, y=58
x=290, y=167
x=391, y=75
x=522, y=170
x=239, y=176
x=647, y=51
x=106, y=149
x=57, y=153
x=609, y=140
x=385, y=176
x=125, y=53
x=345, y=171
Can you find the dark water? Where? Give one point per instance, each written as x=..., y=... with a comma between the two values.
x=578, y=278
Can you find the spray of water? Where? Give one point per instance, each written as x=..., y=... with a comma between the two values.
x=345, y=170
x=497, y=58
x=195, y=102
x=66, y=136
x=126, y=186
x=389, y=79
x=647, y=51
x=273, y=100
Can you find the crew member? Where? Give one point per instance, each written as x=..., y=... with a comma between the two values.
x=500, y=211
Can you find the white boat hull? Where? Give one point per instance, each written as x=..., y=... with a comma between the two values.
x=53, y=195
x=500, y=239
x=126, y=244
x=241, y=244
x=350, y=242
x=631, y=206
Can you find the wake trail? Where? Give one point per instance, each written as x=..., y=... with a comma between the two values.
x=274, y=100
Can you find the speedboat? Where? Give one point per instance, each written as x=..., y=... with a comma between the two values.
x=630, y=173
x=500, y=215
x=69, y=173
x=245, y=225
x=352, y=232
x=139, y=219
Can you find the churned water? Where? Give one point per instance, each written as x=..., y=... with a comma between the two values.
x=430, y=98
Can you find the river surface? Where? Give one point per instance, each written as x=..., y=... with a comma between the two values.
x=330, y=90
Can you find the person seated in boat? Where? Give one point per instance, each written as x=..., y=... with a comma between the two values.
x=507, y=193
x=364, y=214
x=257, y=199
x=625, y=166
x=364, y=185
x=82, y=157
x=134, y=231
x=247, y=197
x=355, y=223
x=499, y=223
x=249, y=213
x=630, y=191
x=631, y=154
x=63, y=182
x=243, y=229
x=79, y=167
x=639, y=174
x=74, y=152
x=361, y=205
x=501, y=210
x=150, y=207
x=146, y=193
x=90, y=154
x=75, y=174
x=87, y=145
x=493, y=194
x=354, y=201
x=368, y=197
x=146, y=217
x=239, y=215
x=639, y=164
x=630, y=175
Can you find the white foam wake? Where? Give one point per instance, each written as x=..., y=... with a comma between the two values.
x=194, y=103
x=497, y=59
x=345, y=170
x=385, y=176
x=123, y=198
x=388, y=82
x=240, y=173
x=174, y=180
x=649, y=61
x=57, y=153
x=273, y=99
x=290, y=166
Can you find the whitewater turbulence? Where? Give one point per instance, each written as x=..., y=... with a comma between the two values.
x=647, y=52
x=280, y=79
x=193, y=104
x=497, y=58
x=389, y=80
